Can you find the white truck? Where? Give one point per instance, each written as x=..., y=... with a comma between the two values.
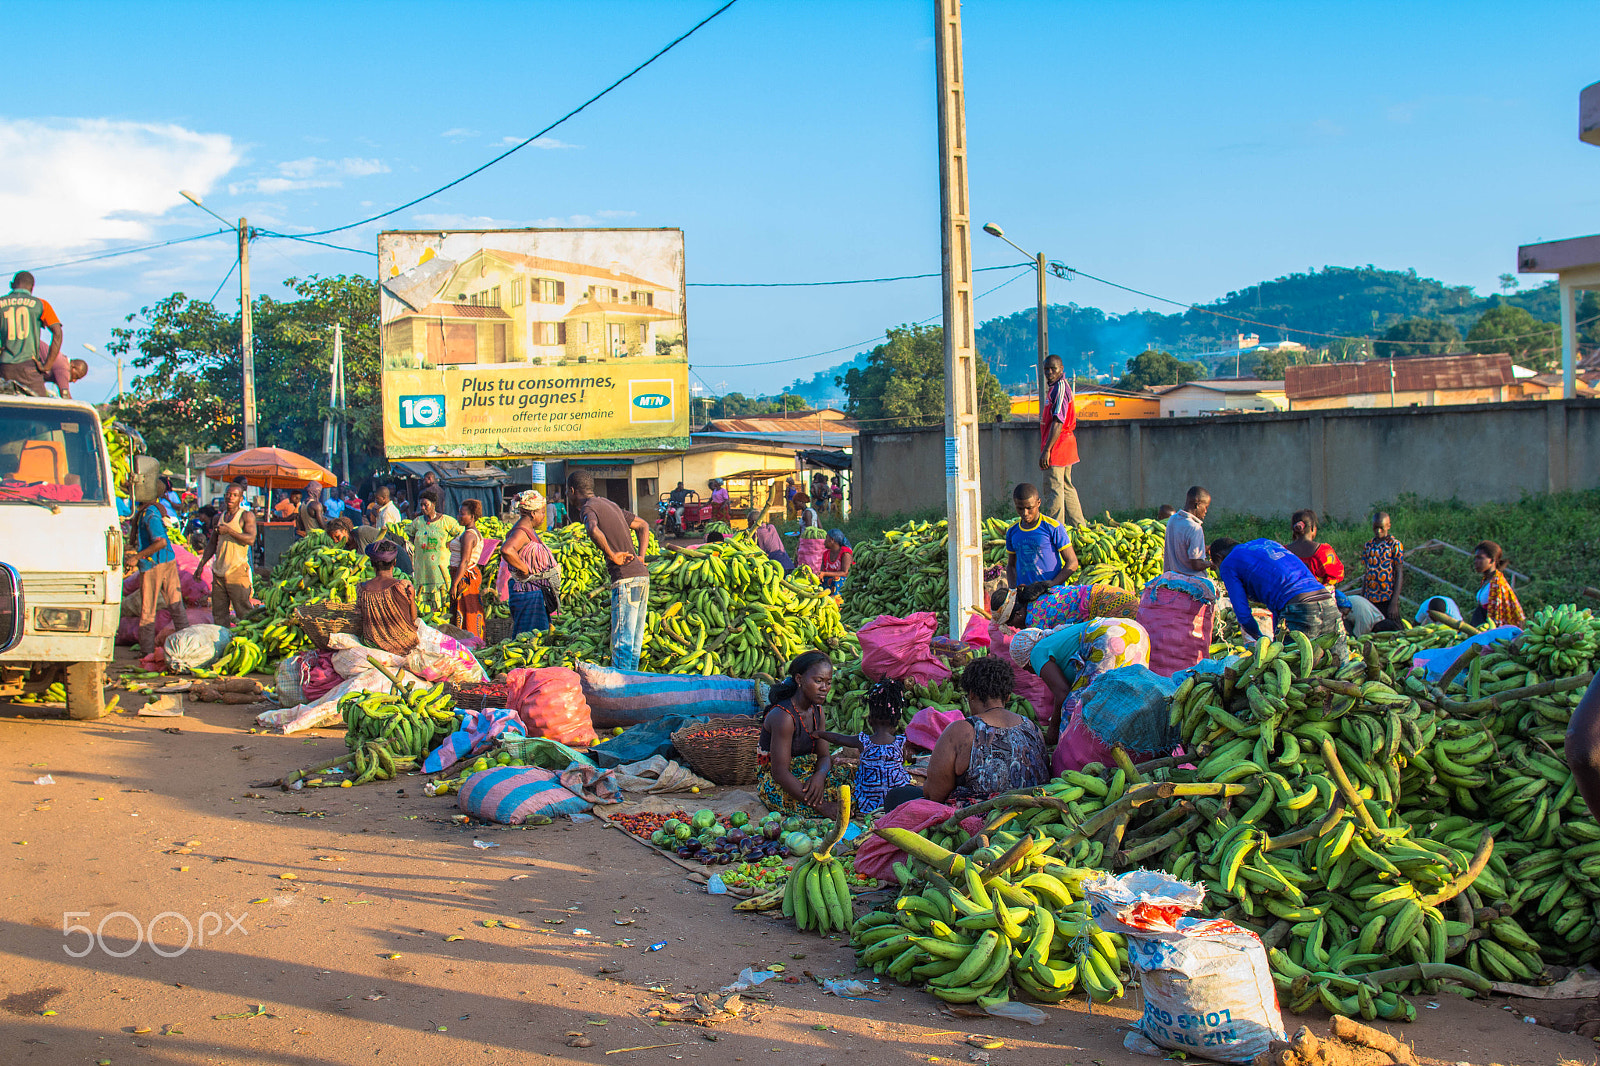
x=61, y=548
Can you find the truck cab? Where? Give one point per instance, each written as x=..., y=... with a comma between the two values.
x=61, y=547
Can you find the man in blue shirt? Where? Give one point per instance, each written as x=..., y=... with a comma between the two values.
x=1038, y=548
x=158, y=575
x=1265, y=572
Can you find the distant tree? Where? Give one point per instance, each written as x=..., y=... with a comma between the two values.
x=1419, y=336
x=1509, y=283
x=1588, y=315
x=1530, y=342
x=903, y=382
x=1270, y=364
x=1153, y=367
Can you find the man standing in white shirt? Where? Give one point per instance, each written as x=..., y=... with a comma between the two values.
x=1185, y=548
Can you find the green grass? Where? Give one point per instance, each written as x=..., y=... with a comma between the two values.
x=1554, y=539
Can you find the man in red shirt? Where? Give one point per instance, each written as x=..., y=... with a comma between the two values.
x=1058, y=446
x=23, y=316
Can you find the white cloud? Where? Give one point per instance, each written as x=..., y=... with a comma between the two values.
x=310, y=172
x=68, y=183
x=537, y=142
x=615, y=214
x=458, y=221
x=459, y=134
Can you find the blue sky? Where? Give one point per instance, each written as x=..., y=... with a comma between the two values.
x=1185, y=148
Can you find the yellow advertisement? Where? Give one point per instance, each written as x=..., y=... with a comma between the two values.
x=532, y=342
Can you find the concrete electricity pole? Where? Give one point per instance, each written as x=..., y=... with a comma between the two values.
x=247, y=349
x=962, y=497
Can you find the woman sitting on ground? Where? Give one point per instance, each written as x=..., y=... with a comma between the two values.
x=797, y=772
x=386, y=606
x=1068, y=659
x=1043, y=605
x=992, y=750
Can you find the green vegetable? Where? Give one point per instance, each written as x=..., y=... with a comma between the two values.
x=794, y=823
x=739, y=819
x=799, y=844
x=705, y=818
x=683, y=832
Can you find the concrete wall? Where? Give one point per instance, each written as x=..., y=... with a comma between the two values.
x=1339, y=463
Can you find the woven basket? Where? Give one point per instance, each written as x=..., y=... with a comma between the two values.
x=477, y=695
x=722, y=760
x=322, y=620
x=496, y=630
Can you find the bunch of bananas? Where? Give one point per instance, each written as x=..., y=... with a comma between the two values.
x=409, y=721
x=244, y=656
x=817, y=893
x=315, y=570
x=1126, y=555
x=721, y=608
x=1561, y=639
x=973, y=927
x=120, y=453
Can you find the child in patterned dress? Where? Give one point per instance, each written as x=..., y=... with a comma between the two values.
x=883, y=759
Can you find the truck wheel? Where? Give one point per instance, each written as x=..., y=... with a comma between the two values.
x=86, y=697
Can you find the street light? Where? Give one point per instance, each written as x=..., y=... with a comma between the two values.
x=994, y=230
x=246, y=326
x=96, y=351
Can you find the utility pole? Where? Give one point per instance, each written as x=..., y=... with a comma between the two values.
x=1044, y=331
x=247, y=336
x=962, y=497
x=344, y=404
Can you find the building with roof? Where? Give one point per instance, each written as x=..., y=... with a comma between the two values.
x=1242, y=356
x=506, y=307
x=1214, y=396
x=827, y=428
x=1094, y=404
x=1411, y=381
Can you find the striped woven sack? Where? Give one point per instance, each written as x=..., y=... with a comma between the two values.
x=511, y=795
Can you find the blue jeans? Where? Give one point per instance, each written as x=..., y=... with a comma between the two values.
x=528, y=614
x=630, y=603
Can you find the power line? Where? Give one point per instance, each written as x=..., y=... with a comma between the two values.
x=224, y=281
x=130, y=251
x=870, y=340
x=518, y=147
x=813, y=284
x=308, y=240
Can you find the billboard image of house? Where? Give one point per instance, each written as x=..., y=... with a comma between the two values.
x=532, y=341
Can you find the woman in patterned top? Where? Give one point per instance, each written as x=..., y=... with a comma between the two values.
x=992, y=750
x=883, y=750
x=1068, y=659
x=1497, y=602
x=1385, y=575
x=1043, y=605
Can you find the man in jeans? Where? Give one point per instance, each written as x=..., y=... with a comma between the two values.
x=615, y=531
x=1265, y=572
x=1058, y=446
x=158, y=575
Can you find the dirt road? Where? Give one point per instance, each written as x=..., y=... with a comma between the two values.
x=346, y=925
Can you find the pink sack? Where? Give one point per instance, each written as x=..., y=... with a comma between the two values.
x=1178, y=611
x=551, y=704
x=875, y=856
x=977, y=631
x=1028, y=684
x=317, y=676
x=809, y=554
x=898, y=648
x=927, y=724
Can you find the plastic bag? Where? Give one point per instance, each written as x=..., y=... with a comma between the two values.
x=440, y=658
x=898, y=648
x=1178, y=611
x=1028, y=684
x=640, y=741
x=1207, y=986
x=551, y=704
x=286, y=680
x=358, y=660
x=197, y=646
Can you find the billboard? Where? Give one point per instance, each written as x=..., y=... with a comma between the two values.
x=532, y=342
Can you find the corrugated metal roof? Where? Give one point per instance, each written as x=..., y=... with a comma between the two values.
x=444, y=310
x=1413, y=374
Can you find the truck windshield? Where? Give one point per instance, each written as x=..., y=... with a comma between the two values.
x=50, y=454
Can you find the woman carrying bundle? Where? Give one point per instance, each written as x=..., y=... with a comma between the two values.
x=797, y=772
x=1068, y=659
x=386, y=606
x=1043, y=605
